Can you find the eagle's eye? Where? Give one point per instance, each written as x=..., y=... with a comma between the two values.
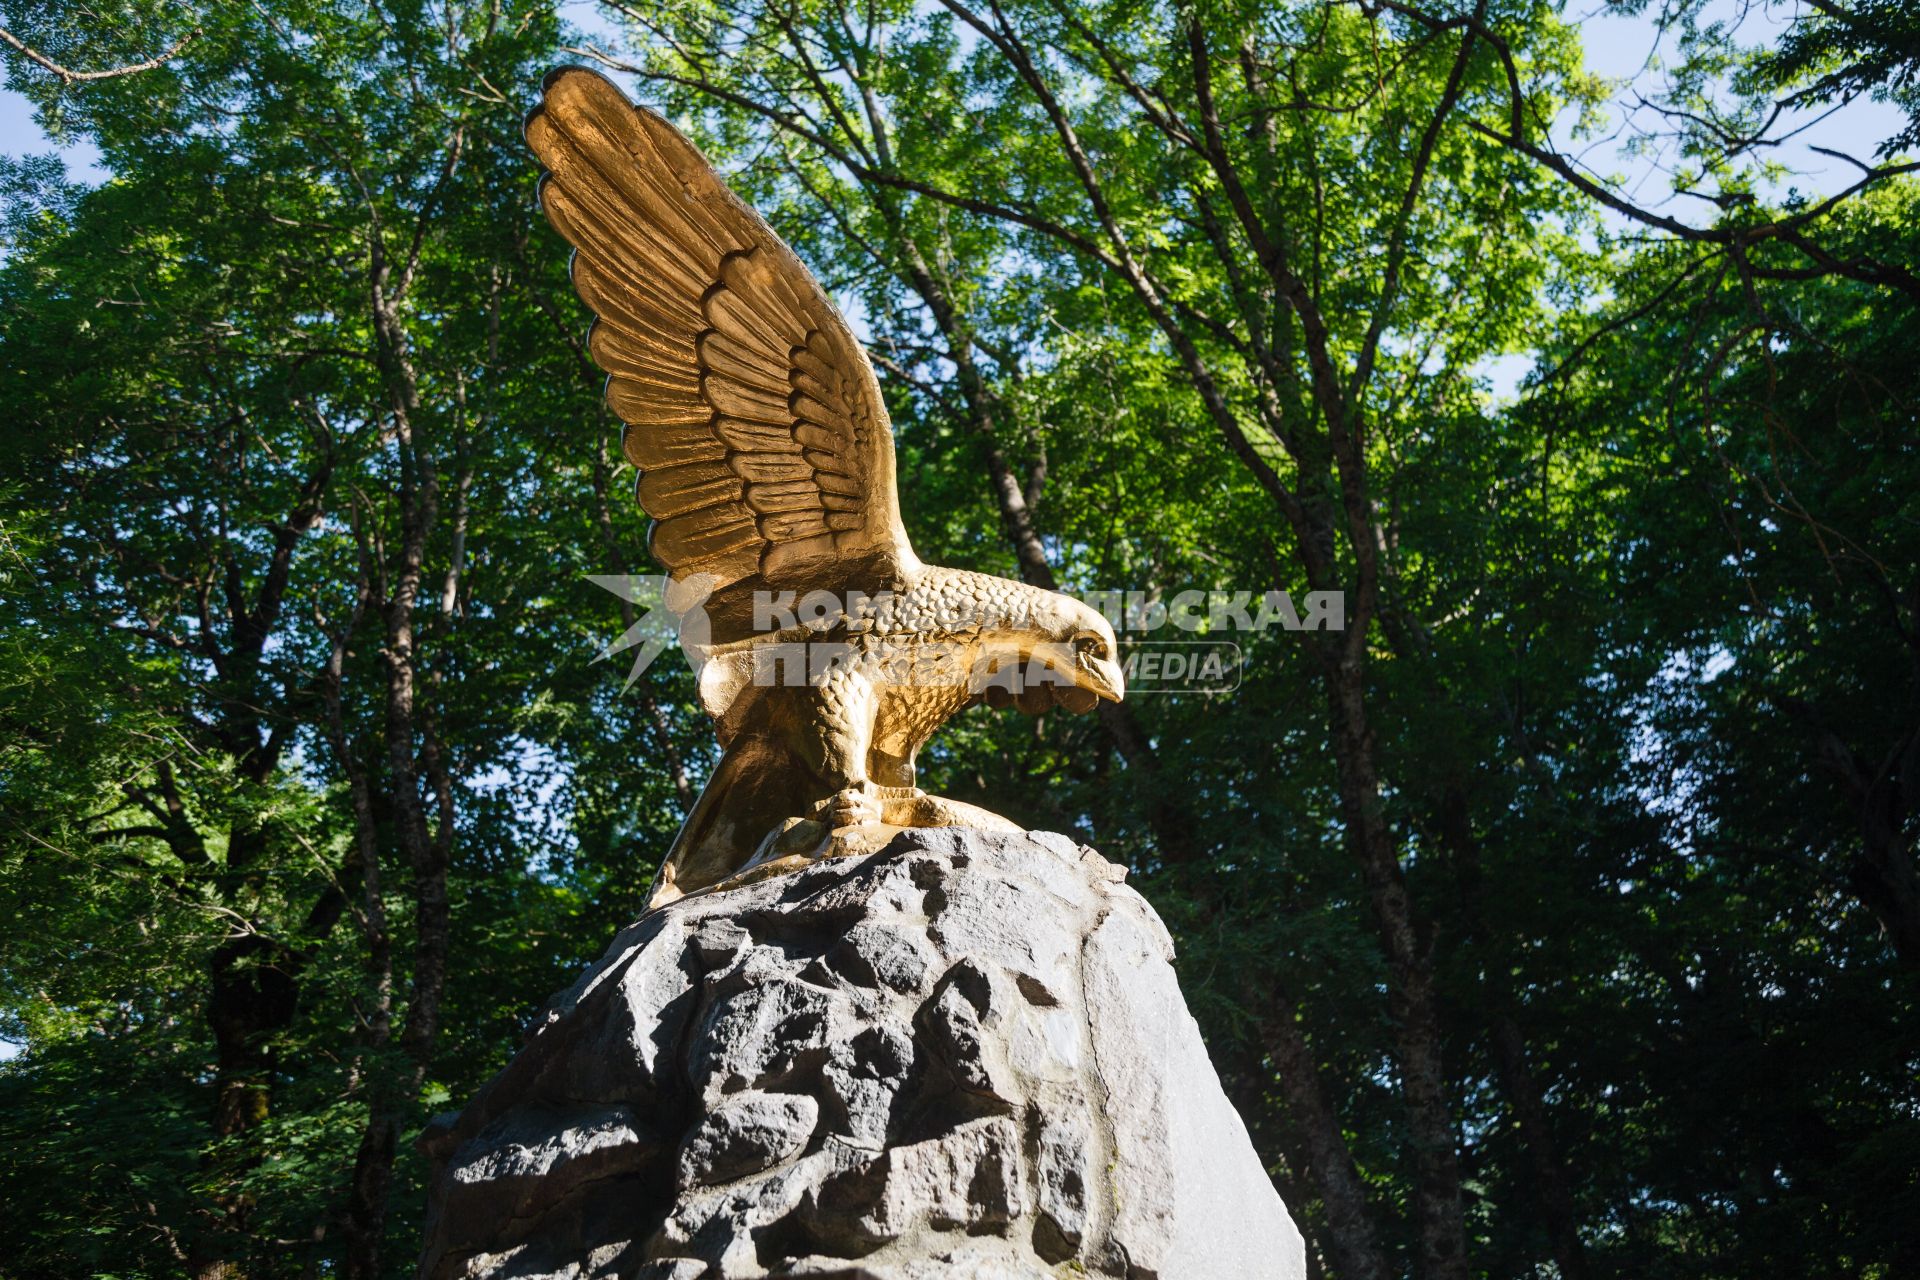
x=1089, y=645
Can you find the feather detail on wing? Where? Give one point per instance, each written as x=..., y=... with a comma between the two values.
x=765, y=453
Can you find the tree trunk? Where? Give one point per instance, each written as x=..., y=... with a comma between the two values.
x=1510, y=1050
x=1882, y=873
x=408, y=729
x=1412, y=1001
x=1352, y=1242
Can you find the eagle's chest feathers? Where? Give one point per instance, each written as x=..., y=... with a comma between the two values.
x=909, y=658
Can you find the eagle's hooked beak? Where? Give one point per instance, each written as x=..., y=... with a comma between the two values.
x=1099, y=668
x=1073, y=673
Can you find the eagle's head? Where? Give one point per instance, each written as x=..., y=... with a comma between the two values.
x=1066, y=657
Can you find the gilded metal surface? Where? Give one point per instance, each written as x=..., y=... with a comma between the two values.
x=766, y=460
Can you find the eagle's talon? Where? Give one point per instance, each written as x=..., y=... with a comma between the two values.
x=854, y=807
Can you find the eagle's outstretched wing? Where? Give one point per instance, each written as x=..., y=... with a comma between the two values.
x=765, y=454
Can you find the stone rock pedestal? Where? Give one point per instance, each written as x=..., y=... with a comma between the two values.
x=962, y=1056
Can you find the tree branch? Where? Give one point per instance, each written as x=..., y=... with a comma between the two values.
x=71, y=77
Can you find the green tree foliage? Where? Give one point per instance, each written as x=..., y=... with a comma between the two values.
x=1847, y=51
x=1558, y=916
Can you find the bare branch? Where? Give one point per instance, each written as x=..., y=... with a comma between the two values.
x=1397, y=242
x=985, y=208
x=71, y=77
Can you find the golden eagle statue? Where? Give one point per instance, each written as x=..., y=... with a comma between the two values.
x=766, y=461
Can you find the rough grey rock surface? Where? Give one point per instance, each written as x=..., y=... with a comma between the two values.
x=963, y=1056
